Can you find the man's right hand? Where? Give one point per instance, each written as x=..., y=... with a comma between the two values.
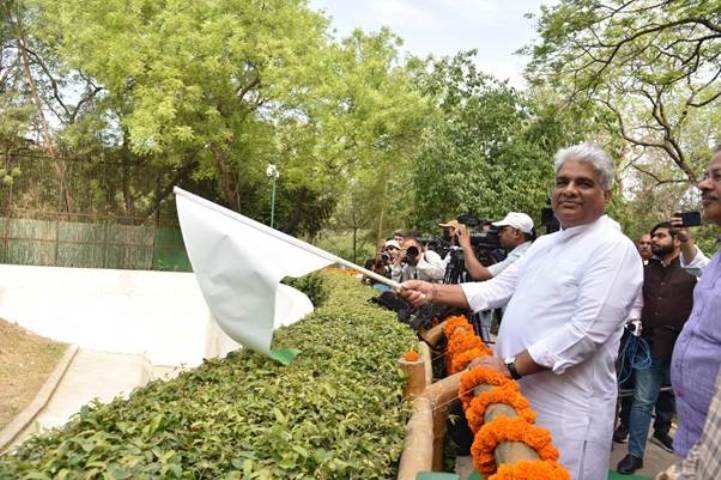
x=416, y=292
x=681, y=231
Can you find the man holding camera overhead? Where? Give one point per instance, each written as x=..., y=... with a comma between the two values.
x=413, y=262
x=568, y=298
x=515, y=234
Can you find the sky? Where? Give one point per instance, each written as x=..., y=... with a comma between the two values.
x=496, y=28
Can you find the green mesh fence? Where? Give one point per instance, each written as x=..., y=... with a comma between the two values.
x=91, y=245
x=169, y=252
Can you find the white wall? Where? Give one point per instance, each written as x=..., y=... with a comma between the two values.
x=160, y=314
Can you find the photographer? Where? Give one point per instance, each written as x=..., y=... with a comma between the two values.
x=381, y=264
x=413, y=262
x=515, y=234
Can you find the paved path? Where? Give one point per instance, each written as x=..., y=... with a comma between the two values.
x=655, y=460
x=94, y=375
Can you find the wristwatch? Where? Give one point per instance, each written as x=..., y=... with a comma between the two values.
x=511, y=366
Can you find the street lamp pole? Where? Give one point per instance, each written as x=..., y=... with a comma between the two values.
x=272, y=172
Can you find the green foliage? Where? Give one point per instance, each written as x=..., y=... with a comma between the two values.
x=314, y=285
x=336, y=412
x=652, y=65
x=491, y=151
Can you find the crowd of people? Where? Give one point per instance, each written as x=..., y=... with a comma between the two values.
x=584, y=308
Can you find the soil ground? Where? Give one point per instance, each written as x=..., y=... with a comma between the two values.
x=26, y=361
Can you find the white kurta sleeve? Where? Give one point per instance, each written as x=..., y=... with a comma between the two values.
x=493, y=293
x=695, y=267
x=607, y=288
x=636, y=308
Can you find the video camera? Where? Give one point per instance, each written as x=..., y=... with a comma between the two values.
x=487, y=239
x=483, y=243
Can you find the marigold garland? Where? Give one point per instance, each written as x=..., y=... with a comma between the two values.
x=481, y=375
x=463, y=347
x=459, y=343
x=475, y=414
x=462, y=359
x=509, y=429
x=457, y=321
x=531, y=470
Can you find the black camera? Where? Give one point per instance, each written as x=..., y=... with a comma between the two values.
x=488, y=239
x=412, y=252
x=483, y=239
x=385, y=257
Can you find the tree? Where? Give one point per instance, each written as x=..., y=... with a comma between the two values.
x=654, y=65
x=491, y=151
x=192, y=84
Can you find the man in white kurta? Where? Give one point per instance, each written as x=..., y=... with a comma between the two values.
x=569, y=296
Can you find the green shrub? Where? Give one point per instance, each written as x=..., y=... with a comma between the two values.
x=335, y=412
x=313, y=285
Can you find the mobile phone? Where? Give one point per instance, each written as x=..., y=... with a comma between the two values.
x=690, y=219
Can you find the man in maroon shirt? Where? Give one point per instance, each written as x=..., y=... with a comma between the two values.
x=665, y=405
x=667, y=303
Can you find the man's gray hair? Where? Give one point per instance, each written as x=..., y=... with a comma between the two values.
x=588, y=153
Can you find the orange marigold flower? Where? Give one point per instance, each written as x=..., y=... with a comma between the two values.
x=459, y=343
x=411, y=356
x=476, y=411
x=477, y=376
x=457, y=321
x=531, y=470
x=461, y=360
x=509, y=429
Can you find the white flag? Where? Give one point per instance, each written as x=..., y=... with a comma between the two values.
x=239, y=264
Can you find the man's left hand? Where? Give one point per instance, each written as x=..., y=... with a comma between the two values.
x=492, y=362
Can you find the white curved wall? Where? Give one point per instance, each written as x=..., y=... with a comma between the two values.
x=159, y=314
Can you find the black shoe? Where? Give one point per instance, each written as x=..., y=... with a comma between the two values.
x=619, y=436
x=663, y=440
x=629, y=464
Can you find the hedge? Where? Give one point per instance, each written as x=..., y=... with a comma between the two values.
x=336, y=412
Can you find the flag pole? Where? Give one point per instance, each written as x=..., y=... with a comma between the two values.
x=287, y=238
x=370, y=274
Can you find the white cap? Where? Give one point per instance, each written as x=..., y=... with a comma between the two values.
x=517, y=220
x=392, y=243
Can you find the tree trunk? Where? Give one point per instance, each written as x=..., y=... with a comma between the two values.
x=355, y=245
x=225, y=178
x=59, y=165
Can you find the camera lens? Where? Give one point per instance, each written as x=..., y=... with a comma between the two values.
x=412, y=252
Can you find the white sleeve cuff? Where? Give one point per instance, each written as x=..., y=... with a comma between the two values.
x=474, y=296
x=542, y=356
